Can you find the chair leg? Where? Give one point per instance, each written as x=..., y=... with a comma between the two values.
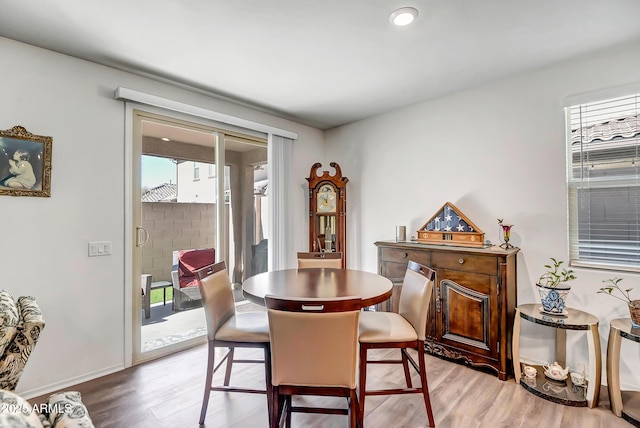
x=267, y=380
x=363, y=379
x=425, y=387
x=147, y=305
x=176, y=300
x=287, y=410
x=207, y=385
x=358, y=414
x=405, y=366
x=274, y=416
x=227, y=373
x=354, y=414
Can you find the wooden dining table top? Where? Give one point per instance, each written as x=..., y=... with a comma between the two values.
x=318, y=283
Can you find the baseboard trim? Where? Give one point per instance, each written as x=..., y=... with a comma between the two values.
x=51, y=388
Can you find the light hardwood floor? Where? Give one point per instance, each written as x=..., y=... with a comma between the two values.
x=167, y=393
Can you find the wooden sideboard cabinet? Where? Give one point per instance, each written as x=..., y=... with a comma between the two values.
x=473, y=303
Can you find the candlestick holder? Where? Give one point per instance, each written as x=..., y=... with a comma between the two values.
x=506, y=234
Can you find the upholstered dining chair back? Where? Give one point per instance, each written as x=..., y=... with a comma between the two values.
x=314, y=351
x=217, y=296
x=417, y=287
x=320, y=260
x=314, y=343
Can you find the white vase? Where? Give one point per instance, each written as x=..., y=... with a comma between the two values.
x=553, y=299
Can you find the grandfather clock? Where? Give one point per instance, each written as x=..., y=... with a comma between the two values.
x=328, y=211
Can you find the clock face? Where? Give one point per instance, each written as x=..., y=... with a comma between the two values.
x=326, y=199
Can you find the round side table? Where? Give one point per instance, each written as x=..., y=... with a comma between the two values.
x=630, y=411
x=563, y=392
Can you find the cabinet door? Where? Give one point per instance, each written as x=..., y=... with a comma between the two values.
x=467, y=312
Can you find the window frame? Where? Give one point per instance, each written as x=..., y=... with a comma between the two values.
x=575, y=184
x=196, y=171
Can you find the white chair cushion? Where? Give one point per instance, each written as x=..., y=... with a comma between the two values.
x=245, y=327
x=380, y=327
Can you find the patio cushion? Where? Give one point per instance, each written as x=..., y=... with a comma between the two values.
x=189, y=261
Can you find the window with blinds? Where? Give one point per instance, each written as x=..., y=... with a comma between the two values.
x=604, y=183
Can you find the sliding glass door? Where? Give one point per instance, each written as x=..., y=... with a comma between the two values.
x=195, y=201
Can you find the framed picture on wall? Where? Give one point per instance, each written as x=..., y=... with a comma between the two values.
x=25, y=163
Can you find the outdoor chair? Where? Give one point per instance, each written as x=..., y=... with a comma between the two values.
x=314, y=351
x=183, y=275
x=403, y=330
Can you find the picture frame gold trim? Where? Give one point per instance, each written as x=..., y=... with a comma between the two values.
x=33, y=161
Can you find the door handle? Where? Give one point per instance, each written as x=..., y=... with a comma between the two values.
x=142, y=236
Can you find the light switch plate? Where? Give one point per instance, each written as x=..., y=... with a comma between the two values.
x=99, y=248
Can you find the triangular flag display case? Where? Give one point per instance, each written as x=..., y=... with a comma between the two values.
x=451, y=227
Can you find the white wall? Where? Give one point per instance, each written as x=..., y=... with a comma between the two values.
x=497, y=151
x=44, y=240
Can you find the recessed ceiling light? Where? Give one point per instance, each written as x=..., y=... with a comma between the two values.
x=403, y=16
x=165, y=139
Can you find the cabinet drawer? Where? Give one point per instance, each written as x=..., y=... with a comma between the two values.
x=465, y=262
x=394, y=271
x=400, y=255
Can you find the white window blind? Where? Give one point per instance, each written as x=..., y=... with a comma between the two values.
x=604, y=183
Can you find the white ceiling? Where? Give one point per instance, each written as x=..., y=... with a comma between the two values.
x=323, y=62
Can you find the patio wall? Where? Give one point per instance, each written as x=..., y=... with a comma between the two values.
x=171, y=227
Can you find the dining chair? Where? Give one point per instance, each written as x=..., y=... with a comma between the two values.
x=320, y=260
x=228, y=329
x=404, y=330
x=314, y=351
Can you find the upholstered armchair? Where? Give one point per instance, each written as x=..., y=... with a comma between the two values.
x=183, y=275
x=21, y=323
x=20, y=326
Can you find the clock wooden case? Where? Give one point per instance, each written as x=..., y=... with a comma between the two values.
x=328, y=211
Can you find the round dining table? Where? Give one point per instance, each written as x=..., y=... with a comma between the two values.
x=318, y=283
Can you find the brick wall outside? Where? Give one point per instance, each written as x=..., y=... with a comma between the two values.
x=172, y=227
